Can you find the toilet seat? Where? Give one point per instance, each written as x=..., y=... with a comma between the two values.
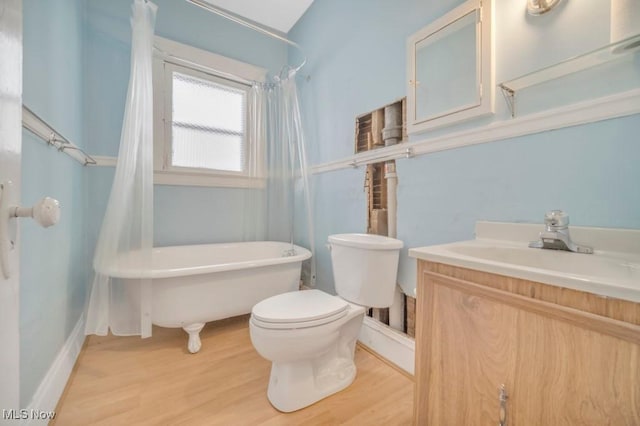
x=298, y=309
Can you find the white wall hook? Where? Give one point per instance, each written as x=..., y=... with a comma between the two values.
x=46, y=212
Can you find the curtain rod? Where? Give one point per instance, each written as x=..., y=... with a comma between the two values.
x=211, y=8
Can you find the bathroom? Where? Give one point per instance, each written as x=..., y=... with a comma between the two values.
x=571, y=145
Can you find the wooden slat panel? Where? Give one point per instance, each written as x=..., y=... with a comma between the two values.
x=363, y=140
x=405, y=135
x=379, y=189
x=377, y=124
x=410, y=307
x=368, y=184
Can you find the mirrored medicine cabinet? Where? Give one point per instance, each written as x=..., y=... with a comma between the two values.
x=450, y=68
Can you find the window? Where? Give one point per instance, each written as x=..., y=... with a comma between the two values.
x=202, y=132
x=208, y=122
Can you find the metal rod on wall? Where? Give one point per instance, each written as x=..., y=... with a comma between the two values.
x=36, y=125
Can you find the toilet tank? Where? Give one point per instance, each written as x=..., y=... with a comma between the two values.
x=365, y=267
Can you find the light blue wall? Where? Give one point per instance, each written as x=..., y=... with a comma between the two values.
x=53, y=261
x=76, y=72
x=356, y=58
x=182, y=215
x=589, y=171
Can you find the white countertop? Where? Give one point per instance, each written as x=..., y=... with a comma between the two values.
x=502, y=248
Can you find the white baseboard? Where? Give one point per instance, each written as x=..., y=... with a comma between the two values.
x=396, y=347
x=50, y=390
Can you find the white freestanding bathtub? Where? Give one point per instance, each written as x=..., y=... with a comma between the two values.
x=192, y=285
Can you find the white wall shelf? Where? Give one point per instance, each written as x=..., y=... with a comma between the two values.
x=608, y=53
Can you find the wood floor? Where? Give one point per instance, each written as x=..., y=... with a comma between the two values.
x=131, y=381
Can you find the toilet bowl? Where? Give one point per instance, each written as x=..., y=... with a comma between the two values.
x=311, y=358
x=310, y=336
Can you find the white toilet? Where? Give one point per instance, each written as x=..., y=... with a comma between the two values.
x=310, y=336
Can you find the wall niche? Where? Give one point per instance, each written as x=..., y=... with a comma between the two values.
x=382, y=127
x=385, y=126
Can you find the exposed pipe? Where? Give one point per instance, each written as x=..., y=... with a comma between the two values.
x=392, y=134
x=396, y=310
x=392, y=200
x=231, y=17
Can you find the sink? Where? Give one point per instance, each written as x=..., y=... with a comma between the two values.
x=612, y=266
x=612, y=271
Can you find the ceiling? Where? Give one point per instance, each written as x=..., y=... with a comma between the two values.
x=280, y=15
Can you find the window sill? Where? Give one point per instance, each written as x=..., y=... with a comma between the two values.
x=190, y=178
x=194, y=179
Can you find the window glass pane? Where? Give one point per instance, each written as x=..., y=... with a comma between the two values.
x=207, y=150
x=208, y=104
x=208, y=124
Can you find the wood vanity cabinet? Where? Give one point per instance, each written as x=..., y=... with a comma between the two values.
x=565, y=357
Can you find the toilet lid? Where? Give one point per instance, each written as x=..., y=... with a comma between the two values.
x=299, y=306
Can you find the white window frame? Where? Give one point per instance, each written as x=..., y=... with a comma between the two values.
x=170, y=56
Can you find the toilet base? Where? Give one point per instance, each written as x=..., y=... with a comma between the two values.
x=296, y=385
x=309, y=364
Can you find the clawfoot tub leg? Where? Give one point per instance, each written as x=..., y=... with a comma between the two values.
x=194, y=336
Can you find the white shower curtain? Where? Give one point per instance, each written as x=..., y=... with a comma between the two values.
x=276, y=117
x=127, y=228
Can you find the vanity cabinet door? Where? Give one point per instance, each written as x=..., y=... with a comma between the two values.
x=570, y=375
x=466, y=349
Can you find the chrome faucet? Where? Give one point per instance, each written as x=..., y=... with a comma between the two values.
x=556, y=235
